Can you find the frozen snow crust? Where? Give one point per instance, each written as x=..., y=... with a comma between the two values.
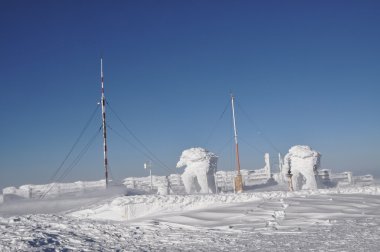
x=345, y=219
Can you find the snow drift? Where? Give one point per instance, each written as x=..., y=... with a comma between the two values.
x=133, y=207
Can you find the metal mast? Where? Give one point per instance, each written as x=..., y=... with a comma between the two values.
x=104, y=123
x=238, y=179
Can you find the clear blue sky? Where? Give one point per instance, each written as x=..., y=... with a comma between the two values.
x=305, y=72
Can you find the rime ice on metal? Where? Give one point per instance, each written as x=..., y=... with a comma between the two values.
x=200, y=167
x=304, y=163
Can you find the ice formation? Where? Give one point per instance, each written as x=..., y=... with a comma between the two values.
x=163, y=186
x=303, y=162
x=200, y=167
x=267, y=163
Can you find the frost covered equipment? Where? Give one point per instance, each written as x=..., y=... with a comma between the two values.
x=103, y=102
x=290, y=181
x=200, y=167
x=238, y=181
x=303, y=162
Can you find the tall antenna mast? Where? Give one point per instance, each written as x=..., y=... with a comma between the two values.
x=104, y=123
x=238, y=179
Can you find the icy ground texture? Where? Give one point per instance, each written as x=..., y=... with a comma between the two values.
x=321, y=220
x=200, y=167
x=304, y=163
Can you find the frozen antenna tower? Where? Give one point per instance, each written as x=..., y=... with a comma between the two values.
x=103, y=102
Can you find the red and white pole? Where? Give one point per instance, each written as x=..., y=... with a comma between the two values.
x=238, y=178
x=103, y=101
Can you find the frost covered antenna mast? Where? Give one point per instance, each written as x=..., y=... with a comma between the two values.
x=238, y=179
x=103, y=101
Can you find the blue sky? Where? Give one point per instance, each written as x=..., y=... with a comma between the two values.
x=303, y=72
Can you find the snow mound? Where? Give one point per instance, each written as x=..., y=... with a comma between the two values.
x=200, y=167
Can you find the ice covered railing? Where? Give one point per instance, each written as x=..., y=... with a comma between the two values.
x=344, y=178
x=364, y=180
x=143, y=184
x=225, y=179
x=252, y=177
x=341, y=179
x=51, y=190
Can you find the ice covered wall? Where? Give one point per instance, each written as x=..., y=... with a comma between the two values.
x=200, y=167
x=304, y=163
x=161, y=184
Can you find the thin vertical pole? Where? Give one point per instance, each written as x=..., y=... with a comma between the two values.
x=238, y=181
x=235, y=136
x=104, y=124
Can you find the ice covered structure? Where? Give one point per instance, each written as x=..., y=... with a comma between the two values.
x=265, y=172
x=52, y=190
x=200, y=167
x=304, y=163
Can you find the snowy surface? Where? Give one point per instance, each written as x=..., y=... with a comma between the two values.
x=340, y=219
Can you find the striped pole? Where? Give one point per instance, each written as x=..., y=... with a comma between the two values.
x=104, y=123
x=238, y=178
x=235, y=135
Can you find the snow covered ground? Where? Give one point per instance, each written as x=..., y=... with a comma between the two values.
x=339, y=219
